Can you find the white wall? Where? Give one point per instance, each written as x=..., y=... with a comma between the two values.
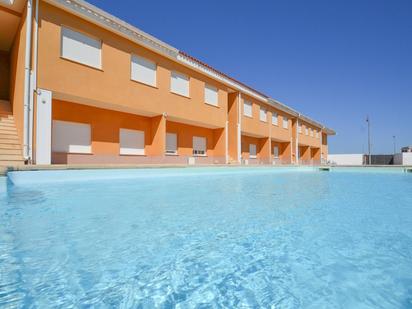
x=346, y=159
x=404, y=158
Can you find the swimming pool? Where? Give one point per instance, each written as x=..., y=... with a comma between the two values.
x=203, y=237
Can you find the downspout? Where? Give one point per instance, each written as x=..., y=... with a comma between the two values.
x=33, y=83
x=239, y=136
x=297, y=140
x=27, y=86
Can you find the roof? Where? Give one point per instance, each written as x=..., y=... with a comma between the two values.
x=98, y=16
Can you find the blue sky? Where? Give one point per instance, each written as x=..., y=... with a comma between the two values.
x=335, y=61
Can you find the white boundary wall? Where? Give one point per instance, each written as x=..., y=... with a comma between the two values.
x=404, y=158
x=346, y=159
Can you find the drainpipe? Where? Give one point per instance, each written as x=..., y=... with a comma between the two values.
x=297, y=140
x=27, y=86
x=239, y=136
x=33, y=84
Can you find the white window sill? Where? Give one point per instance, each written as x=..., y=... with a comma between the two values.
x=248, y=116
x=211, y=104
x=252, y=157
x=132, y=155
x=171, y=154
x=199, y=155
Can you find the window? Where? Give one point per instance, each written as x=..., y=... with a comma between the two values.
x=143, y=70
x=276, y=152
x=306, y=131
x=131, y=142
x=199, y=146
x=263, y=114
x=300, y=128
x=179, y=84
x=171, y=143
x=247, y=108
x=80, y=48
x=275, y=118
x=71, y=137
x=211, y=95
x=285, y=122
x=252, y=151
x=311, y=132
x=316, y=133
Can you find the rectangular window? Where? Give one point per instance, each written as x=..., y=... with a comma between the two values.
x=247, y=108
x=316, y=133
x=171, y=143
x=143, y=70
x=263, y=114
x=311, y=132
x=81, y=48
x=199, y=146
x=71, y=137
x=276, y=152
x=179, y=84
x=275, y=118
x=300, y=128
x=306, y=131
x=285, y=122
x=252, y=151
x=131, y=142
x=211, y=95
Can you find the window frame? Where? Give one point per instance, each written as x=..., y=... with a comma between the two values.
x=135, y=151
x=87, y=148
x=250, y=153
x=86, y=35
x=249, y=103
x=198, y=152
x=171, y=152
x=177, y=73
x=276, y=117
x=265, y=114
x=133, y=56
x=285, y=120
x=211, y=87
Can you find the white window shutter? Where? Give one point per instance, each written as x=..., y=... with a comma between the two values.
x=179, y=84
x=263, y=114
x=131, y=142
x=275, y=118
x=252, y=151
x=80, y=48
x=71, y=137
x=211, y=95
x=171, y=143
x=143, y=70
x=247, y=108
x=199, y=145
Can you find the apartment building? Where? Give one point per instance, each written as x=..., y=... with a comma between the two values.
x=80, y=86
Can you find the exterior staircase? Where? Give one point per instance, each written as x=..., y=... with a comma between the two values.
x=10, y=148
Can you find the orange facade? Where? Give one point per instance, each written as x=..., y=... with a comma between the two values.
x=107, y=100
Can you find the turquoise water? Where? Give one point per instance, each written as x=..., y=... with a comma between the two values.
x=206, y=238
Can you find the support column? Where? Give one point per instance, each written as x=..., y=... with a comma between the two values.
x=233, y=140
x=157, y=144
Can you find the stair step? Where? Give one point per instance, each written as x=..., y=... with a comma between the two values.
x=8, y=132
x=10, y=157
x=17, y=152
x=7, y=123
x=9, y=136
x=8, y=127
x=10, y=146
x=13, y=141
x=11, y=162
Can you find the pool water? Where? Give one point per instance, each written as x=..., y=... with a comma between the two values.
x=206, y=238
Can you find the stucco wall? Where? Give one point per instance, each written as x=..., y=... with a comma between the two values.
x=346, y=159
